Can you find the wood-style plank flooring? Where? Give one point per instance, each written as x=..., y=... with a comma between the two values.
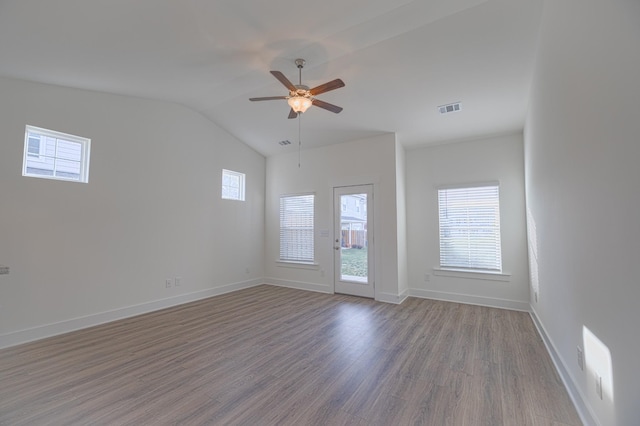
x=270, y=355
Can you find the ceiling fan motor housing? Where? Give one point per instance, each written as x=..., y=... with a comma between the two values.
x=301, y=90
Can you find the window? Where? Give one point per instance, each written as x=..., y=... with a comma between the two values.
x=470, y=228
x=232, y=185
x=54, y=155
x=296, y=228
x=34, y=146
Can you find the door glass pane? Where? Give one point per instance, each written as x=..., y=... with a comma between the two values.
x=354, y=244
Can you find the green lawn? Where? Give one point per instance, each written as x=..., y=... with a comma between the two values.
x=354, y=262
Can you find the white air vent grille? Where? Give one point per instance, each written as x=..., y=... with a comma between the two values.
x=446, y=109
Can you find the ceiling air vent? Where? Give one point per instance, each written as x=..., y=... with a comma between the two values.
x=284, y=143
x=446, y=109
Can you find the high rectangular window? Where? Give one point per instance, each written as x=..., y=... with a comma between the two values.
x=470, y=228
x=55, y=155
x=296, y=228
x=232, y=185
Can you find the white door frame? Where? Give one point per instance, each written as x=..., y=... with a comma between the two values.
x=345, y=286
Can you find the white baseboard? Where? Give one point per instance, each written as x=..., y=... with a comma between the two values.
x=300, y=285
x=49, y=330
x=579, y=401
x=468, y=299
x=396, y=299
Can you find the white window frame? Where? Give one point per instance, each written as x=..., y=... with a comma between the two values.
x=459, y=201
x=226, y=193
x=295, y=250
x=85, y=148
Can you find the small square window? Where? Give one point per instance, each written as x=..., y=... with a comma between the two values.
x=53, y=155
x=232, y=185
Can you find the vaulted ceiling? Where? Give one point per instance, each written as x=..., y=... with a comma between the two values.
x=400, y=60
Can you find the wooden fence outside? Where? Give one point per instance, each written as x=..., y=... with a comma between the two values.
x=354, y=238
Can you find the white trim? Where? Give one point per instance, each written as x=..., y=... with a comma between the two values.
x=468, y=185
x=472, y=274
x=299, y=285
x=298, y=258
x=584, y=410
x=396, y=299
x=469, y=299
x=54, y=329
x=404, y=295
x=297, y=265
x=366, y=288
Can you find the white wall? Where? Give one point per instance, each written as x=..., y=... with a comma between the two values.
x=364, y=161
x=582, y=147
x=86, y=253
x=495, y=159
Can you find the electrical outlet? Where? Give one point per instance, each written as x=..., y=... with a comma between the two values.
x=167, y=283
x=599, y=385
x=178, y=281
x=580, y=358
x=427, y=277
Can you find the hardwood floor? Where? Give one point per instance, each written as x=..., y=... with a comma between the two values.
x=271, y=355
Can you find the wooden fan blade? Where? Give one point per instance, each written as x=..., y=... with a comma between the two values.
x=268, y=98
x=327, y=106
x=284, y=80
x=332, y=85
x=293, y=114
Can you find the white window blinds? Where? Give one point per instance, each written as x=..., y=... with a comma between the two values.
x=296, y=228
x=470, y=228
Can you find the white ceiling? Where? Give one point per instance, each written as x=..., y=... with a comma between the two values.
x=400, y=59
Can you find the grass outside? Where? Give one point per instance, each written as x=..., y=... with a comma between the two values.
x=354, y=262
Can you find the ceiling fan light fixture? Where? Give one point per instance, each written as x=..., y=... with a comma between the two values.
x=299, y=103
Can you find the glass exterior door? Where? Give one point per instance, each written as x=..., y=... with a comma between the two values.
x=353, y=250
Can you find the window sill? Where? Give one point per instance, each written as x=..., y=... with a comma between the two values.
x=472, y=275
x=297, y=265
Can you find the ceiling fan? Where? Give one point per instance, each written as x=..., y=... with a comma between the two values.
x=300, y=96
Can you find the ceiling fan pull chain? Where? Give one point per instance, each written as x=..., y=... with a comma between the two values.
x=299, y=140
